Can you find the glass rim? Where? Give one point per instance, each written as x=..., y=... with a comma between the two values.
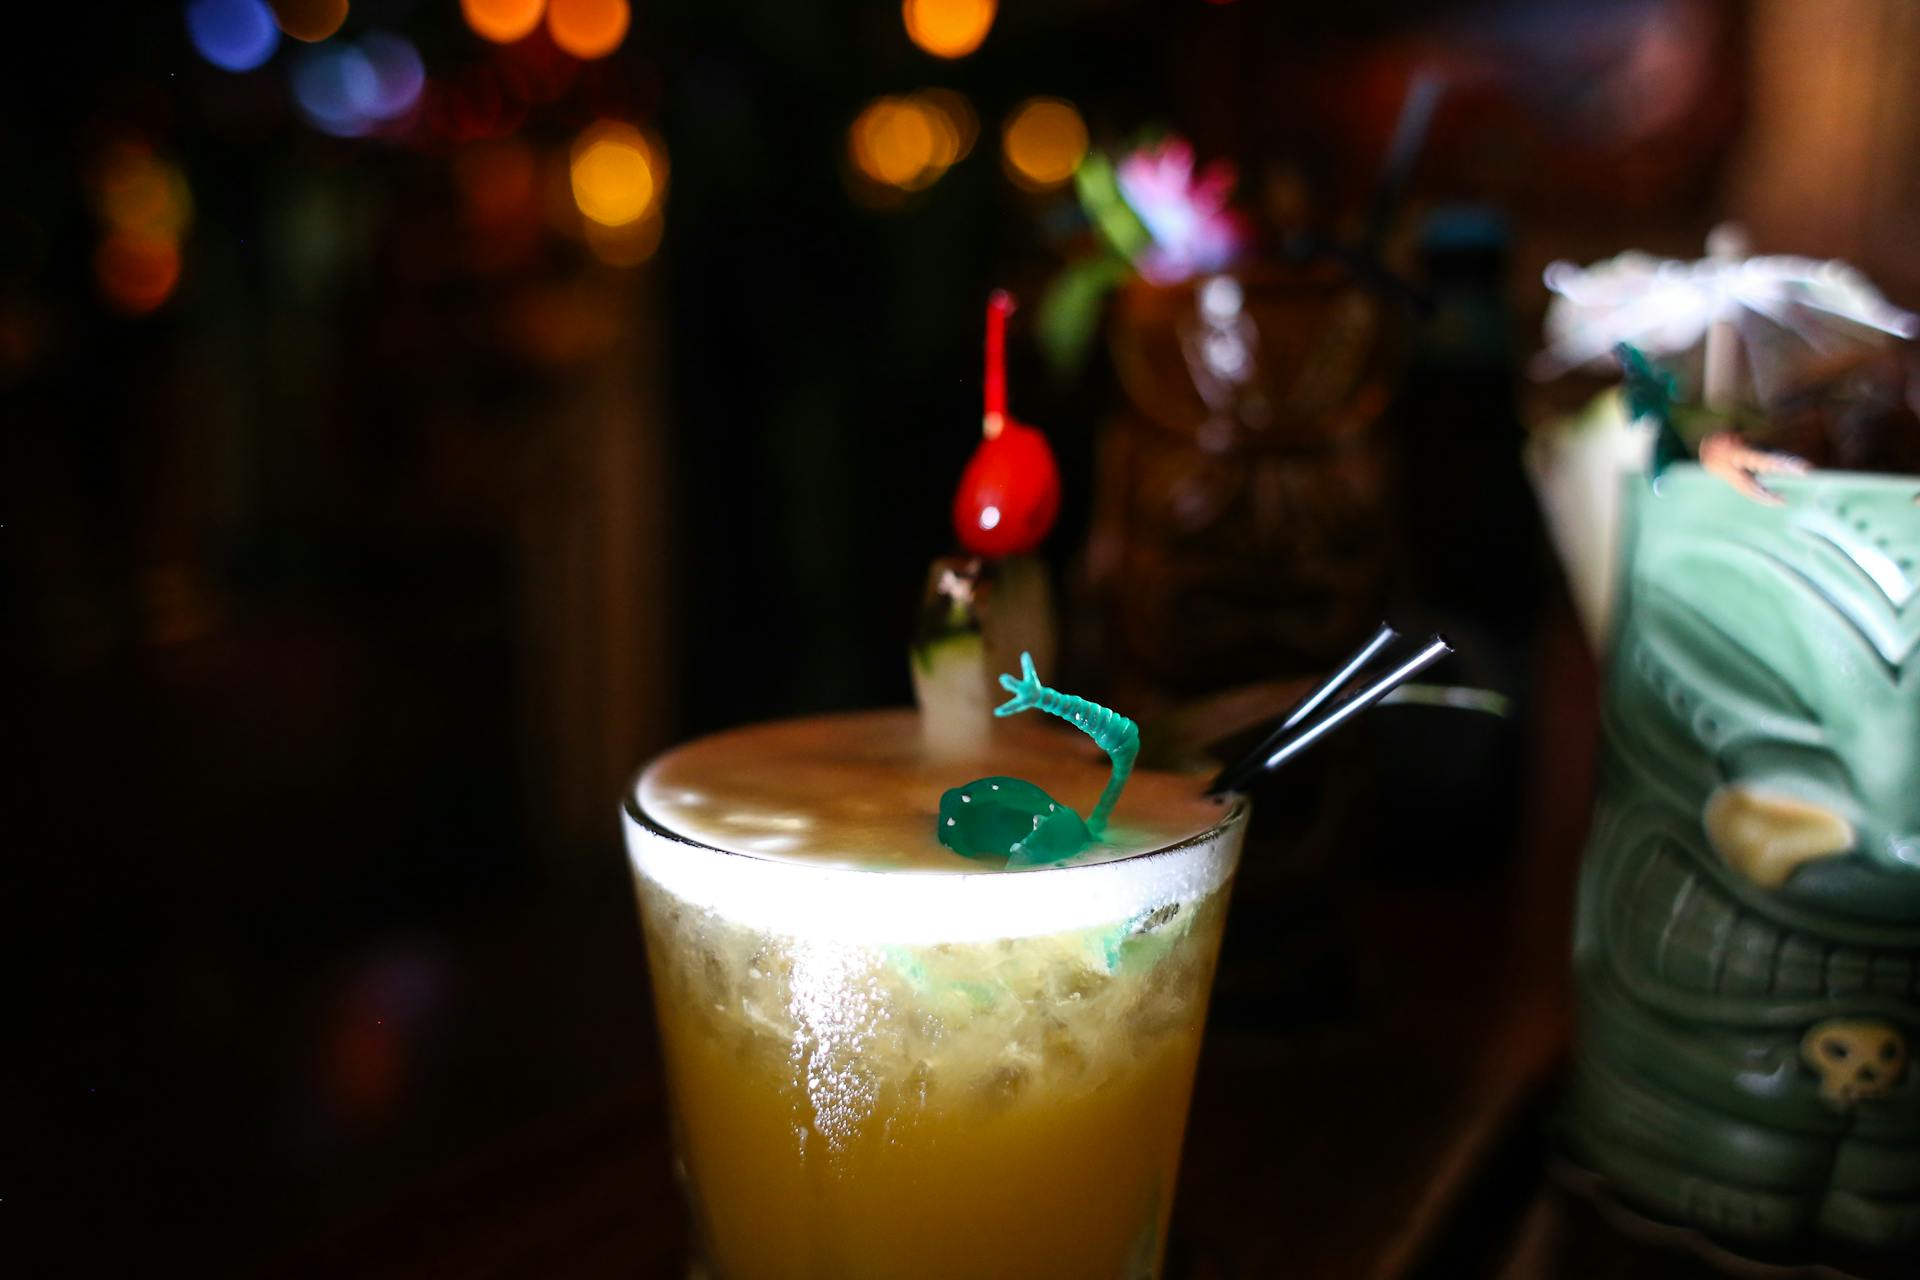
x=1234, y=811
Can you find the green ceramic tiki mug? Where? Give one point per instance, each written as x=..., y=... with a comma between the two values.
x=1748, y=937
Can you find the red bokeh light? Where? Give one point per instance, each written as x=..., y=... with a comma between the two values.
x=136, y=273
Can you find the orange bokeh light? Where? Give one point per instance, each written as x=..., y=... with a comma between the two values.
x=309, y=20
x=588, y=29
x=628, y=245
x=617, y=174
x=503, y=21
x=956, y=121
x=1043, y=142
x=948, y=28
x=141, y=194
x=136, y=273
x=903, y=142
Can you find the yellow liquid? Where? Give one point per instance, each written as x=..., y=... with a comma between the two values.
x=875, y=1110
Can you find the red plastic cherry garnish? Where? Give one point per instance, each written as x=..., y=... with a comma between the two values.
x=1010, y=492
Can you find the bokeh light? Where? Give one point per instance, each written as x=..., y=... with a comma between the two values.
x=140, y=194
x=234, y=35
x=310, y=20
x=959, y=125
x=136, y=273
x=616, y=174
x=893, y=142
x=145, y=208
x=1043, y=141
x=948, y=28
x=628, y=245
x=351, y=90
x=398, y=74
x=906, y=143
x=503, y=21
x=329, y=85
x=588, y=29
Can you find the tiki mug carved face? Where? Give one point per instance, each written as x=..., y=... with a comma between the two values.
x=1246, y=479
x=1748, y=945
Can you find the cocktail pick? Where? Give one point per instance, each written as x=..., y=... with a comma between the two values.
x=1009, y=493
x=1299, y=730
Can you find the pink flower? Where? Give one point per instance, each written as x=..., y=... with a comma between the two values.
x=1193, y=226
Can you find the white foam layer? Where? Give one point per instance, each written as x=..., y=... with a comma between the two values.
x=849, y=905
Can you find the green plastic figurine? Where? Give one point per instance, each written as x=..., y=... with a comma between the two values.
x=1651, y=393
x=1011, y=818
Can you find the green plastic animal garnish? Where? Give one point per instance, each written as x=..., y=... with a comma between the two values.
x=1012, y=818
x=1651, y=392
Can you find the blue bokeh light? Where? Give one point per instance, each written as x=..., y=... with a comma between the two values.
x=330, y=82
x=351, y=90
x=234, y=35
x=399, y=72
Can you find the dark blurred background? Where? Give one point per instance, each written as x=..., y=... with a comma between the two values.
x=371, y=512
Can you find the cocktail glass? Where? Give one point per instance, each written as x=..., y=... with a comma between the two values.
x=878, y=1074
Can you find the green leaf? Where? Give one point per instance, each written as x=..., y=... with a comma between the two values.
x=1069, y=316
x=1098, y=185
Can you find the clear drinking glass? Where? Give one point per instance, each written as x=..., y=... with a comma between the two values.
x=877, y=1074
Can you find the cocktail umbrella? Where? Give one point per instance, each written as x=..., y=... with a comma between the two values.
x=1778, y=319
x=1772, y=315
x=1775, y=318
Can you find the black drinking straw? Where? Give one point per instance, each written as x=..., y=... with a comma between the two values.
x=1363, y=260
x=1403, y=154
x=1298, y=730
x=1229, y=778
